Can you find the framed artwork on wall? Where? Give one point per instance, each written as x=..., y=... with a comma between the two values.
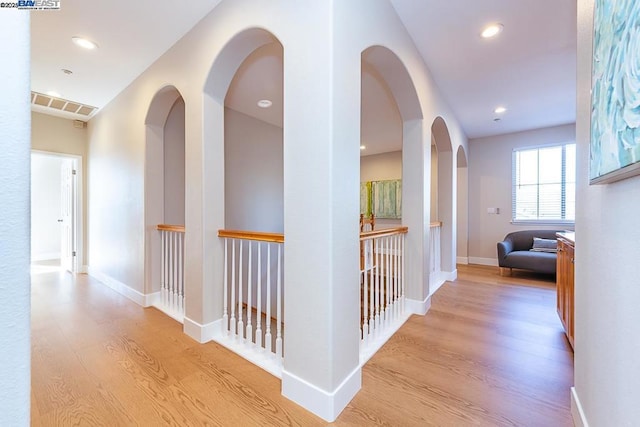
x=381, y=198
x=615, y=97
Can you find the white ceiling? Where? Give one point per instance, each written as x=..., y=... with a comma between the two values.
x=131, y=35
x=529, y=68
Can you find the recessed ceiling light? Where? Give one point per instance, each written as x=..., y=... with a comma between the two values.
x=491, y=30
x=362, y=147
x=54, y=94
x=85, y=43
x=264, y=103
x=499, y=110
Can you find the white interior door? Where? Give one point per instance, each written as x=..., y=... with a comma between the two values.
x=67, y=216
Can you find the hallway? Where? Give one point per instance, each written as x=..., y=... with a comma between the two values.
x=491, y=351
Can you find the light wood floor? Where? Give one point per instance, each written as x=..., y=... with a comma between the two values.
x=490, y=352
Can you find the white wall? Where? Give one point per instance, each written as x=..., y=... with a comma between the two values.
x=58, y=135
x=45, y=206
x=15, y=289
x=490, y=163
x=254, y=174
x=607, y=272
x=174, y=165
x=380, y=167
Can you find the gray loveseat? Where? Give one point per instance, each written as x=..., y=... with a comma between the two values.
x=515, y=252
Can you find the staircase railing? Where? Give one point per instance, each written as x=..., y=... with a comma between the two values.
x=435, y=270
x=172, y=271
x=253, y=317
x=382, y=287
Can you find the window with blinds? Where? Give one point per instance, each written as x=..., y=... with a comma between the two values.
x=544, y=184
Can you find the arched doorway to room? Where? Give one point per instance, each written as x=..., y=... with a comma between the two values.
x=165, y=202
x=444, y=226
x=462, y=208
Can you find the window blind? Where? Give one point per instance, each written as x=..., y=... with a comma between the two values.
x=544, y=183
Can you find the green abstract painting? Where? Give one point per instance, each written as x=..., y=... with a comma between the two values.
x=382, y=198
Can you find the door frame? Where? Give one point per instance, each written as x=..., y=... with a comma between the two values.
x=77, y=208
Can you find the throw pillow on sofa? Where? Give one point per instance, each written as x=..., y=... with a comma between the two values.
x=544, y=245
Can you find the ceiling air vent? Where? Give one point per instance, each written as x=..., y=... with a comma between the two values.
x=60, y=107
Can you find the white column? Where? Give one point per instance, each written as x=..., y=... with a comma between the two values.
x=204, y=216
x=416, y=153
x=321, y=190
x=15, y=136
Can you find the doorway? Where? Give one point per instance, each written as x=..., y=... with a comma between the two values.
x=55, y=212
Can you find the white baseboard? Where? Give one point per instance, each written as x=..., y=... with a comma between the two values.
x=83, y=269
x=152, y=299
x=435, y=285
x=579, y=419
x=119, y=287
x=462, y=260
x=202, y=333
x=373, y=344
x=45, y=256
x=417, y=307
x=450, y=276
x=326, y=405
x=483, y=261
x=437, y=280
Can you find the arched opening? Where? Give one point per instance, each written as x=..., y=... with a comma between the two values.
x=243, y=195
x=380, y=149
x=391, y=116
x=445, y=204
x=462, y=208
x=253, y=144
x=165, y=201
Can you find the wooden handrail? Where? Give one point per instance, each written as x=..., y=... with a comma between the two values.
x=252, y=235
x=169, y=227
x=365, y=235
x=436, y=224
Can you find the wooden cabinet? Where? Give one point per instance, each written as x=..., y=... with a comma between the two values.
x=565, y=282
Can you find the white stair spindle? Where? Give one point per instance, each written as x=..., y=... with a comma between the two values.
x=402, y=277
x=396, y=305
x=182, y=297
x=387, y=283
x=377, y=290
x=240, y=285
x=249, y=335
x=163, y=263
x=172, y=268
x=225, y=287
x=372, y=291
x=259, y=299
x=180, y=274
x=365, y=305
x=168, y=267
x=175, y=270
x=267, y=335
x=233, y=288
x=279, y=305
